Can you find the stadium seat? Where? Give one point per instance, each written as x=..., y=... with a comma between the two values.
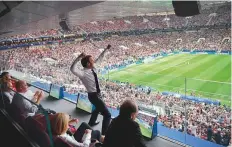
x=37, y=132
x=16, y=114
x=59, y=142
x=6, y=101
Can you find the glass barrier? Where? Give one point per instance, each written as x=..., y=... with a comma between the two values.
x=72, y=87
x=25, y=109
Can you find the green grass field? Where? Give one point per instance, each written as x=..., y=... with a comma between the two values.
x=207, y=75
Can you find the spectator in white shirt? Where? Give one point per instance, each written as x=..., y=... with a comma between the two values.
x=89, y=78
x=193, y=129
x=27, y=108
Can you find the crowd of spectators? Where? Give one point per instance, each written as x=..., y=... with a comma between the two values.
x=52, y=32
x=211, y=16
x=56, y=56
x=52, y=63
x=45, y=61
x=217, y=15
x=196, y=116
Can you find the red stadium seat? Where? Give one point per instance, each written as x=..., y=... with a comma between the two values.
x=59, y=142
x=37, y=132
x=16, y=114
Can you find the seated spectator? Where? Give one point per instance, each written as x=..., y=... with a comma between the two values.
x=123, y=130
x=5, y=78
x=60, y=124
x=27, y=107
x=8, y=93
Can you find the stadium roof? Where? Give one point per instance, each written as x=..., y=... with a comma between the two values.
x=32, y=16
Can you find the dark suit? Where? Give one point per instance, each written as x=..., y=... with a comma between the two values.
x=209, y=134
x=123, y=132
x=218, y=138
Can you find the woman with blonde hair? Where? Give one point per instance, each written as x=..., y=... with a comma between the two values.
x=60, y=124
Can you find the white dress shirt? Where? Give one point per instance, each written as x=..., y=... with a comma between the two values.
x=24, y=105
x=71, y=140
x=29, y=94
x=87, y=78
x=86, y=75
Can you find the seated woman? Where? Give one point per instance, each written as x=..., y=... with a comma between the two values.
x=60, y=124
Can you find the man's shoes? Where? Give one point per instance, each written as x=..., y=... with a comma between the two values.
x=94, y=124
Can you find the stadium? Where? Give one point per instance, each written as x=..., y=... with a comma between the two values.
x=177, y=70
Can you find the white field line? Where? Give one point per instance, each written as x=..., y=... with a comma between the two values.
x=149, y=72
x=173, y=65
x=208, y=92
x=162, y=69
x=209, y=81
x=176, y=87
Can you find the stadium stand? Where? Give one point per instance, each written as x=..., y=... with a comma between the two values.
x=47, y=56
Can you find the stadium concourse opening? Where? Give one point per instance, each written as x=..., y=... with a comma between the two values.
x=177, y=70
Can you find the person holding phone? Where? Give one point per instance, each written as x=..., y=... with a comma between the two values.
x=89, y=78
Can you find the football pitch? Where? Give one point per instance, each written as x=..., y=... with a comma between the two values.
x=207, y=76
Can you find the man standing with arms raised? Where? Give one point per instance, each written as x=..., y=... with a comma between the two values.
x=89, y=79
